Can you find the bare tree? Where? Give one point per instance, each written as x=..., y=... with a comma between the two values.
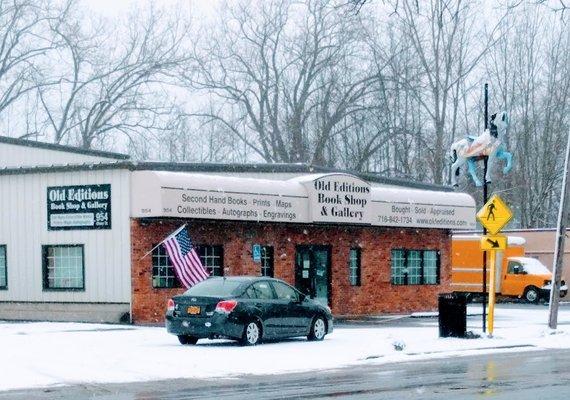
x=533, y=77
x=23, y=42
x=443, y=35
x=285, y=76
x=114, y=86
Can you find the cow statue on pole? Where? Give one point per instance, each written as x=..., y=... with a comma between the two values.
x=472, y=149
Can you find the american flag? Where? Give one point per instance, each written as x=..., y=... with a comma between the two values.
x=184, y=258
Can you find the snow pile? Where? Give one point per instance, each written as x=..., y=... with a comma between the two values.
x=45, y=354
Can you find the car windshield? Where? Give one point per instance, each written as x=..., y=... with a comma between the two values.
x=215, y=287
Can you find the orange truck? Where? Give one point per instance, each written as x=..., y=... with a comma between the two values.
x=516, y=275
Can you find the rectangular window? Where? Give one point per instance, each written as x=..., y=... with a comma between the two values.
x=267, y=261
x=3, y=268
x=63, y=267
x=212, y=258
x=354, y=267
x=398, y=267
x=415, y=267
x=431, y=270
x=163, y=275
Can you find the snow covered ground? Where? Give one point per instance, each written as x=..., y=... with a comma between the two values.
x=46, y=354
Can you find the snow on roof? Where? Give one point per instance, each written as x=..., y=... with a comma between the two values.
x=62, y=148
x=516, y=241
x=313, y=177
x=230, y=184
x=511, y=240
x=423, y=197
x=532, y=265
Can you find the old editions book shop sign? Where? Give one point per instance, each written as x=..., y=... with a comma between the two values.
x=79, y=207
x=340, y=198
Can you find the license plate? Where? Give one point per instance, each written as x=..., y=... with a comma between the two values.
x=193, y=310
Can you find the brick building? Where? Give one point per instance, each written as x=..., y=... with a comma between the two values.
x=361, y=243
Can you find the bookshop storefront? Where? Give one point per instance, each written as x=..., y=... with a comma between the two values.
x=359, y=247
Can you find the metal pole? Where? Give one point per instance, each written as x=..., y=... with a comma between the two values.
x=486, y=122
x=485, y=159
x=557, y=265
x=485, y=258
x=492, y=284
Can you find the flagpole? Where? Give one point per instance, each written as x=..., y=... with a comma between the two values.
x=164, y=240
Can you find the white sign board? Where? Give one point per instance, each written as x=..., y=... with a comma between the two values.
x=324, y=198
x=339, y=198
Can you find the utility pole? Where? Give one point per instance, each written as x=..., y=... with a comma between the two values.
x=558, y=266
x=485, y=195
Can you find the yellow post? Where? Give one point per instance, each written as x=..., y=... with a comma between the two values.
x=492, y=284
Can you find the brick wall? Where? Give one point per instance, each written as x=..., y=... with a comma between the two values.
x=375, y=295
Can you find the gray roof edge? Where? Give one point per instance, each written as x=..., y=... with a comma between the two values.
x=213, y=167
x=67, y=168
x=285, y=168
x=61, y=147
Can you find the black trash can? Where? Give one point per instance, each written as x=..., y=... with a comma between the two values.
x=452, y=315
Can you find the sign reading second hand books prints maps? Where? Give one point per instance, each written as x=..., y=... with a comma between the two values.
x=79, y=207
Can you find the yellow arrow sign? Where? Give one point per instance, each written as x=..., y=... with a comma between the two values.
x=494, y=215
x=490, y=242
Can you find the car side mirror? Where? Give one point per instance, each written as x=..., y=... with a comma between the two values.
x=301, y=298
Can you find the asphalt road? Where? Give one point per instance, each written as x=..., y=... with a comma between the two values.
x=525, y=375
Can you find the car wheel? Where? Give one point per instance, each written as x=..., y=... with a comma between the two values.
x=251, y=334
x=318, y=329
x=531, y=294
x=185, y=339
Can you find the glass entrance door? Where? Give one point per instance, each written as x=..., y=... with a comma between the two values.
x=312, y=269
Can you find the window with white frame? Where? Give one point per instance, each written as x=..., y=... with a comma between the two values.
x=3, y=268
x=431, y=267
x=163, y=275
x=415, y=267
x=267, y=261
x=399, y=271
x=63, y=267
x=212, y=258
x=354, y=266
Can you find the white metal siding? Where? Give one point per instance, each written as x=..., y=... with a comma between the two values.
x=26, y=156
x=23, y=229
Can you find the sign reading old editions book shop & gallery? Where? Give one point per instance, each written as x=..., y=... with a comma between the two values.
x=79, y=207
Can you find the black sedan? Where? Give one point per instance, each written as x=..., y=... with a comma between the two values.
x=247, y=309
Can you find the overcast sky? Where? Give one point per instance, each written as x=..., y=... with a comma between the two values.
x=112, y=8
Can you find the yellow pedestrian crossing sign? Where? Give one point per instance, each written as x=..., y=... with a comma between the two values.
x=494, y=215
